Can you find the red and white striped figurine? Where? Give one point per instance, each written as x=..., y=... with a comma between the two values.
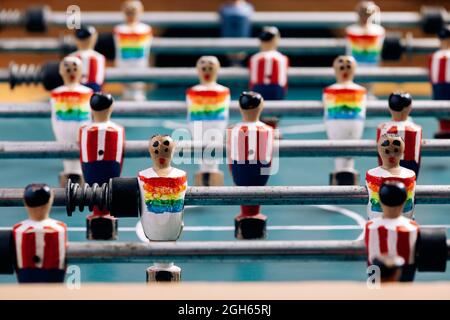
x=93, y=63
x=40, y=242
x=269, y=67
x=101, y=154
x=392, y=234
x=249, y=151
x=402, y=125
x=439, y=70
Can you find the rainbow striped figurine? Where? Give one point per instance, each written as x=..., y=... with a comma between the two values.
x=365, y=39
x=208, y=107
x=133, y=40
x=70, y=110
x=162, y=190
x=390, y=148
x=345, y=111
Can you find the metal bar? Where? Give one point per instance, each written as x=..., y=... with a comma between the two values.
x=297, y=75
x=290, y=46
x=297, y=19
x=186, y=149
x=98, y=251
x=268, y=195
x=283, y=108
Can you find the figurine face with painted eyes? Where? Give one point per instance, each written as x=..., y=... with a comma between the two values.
x=161, y=149
x=70, y=70
x=391, y=148
x=207, y=68
x=344, y=68
x=132, y=10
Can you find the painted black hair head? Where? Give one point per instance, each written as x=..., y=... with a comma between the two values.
x=100, y=101
x=250, y=100
x=392, y=193
x=84, y=32
x=268, y=33
x=36, y=195
x=444, y=33
x=399, y=101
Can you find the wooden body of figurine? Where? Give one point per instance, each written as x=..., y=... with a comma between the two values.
x=392, y=234
x=345, y=113
x=439, y=70
x=208, y=107
x=93, y=63
x=402, y=125
x=162, y=190
x=235, y=19
x=40, y=242
x=390, y=149
x=249, y=150
x=365, y=39
x=133, y=40
x=269, y=67
x=70, y=110
x=101, y=154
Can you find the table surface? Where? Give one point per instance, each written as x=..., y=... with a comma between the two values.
x=305, y=222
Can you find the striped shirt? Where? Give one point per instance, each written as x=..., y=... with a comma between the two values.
x=391, y=237
x=411, y=134
x=269, y=67
x=439, y=67
x=102, y=142
x=40, y=244
x=93, y=64
x=250, y=141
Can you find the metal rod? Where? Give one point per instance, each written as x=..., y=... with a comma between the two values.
x=291, y=46
x=297, y=19
x=284, y=108
x=268, y=195
x=186, y=149
x=98, y=251
x=297, y=75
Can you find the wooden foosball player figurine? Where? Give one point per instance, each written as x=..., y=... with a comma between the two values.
x=235, y=19
x=70, y=110
x=93, y=62
x=249, y=150
x=269, y=67
x=345, y=113
x=36, y=247
x=132, y=42
x=269, y=70
x=156, y=196
x=365, y=39
x=162, y=189
x=394, y=235
x=439, y=70
x=208, y=107
x=101, y=154
x=402, y=125
x=391, y=148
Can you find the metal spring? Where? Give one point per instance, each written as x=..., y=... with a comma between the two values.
x=86, y=196
x=10, y=17
x=24, y=73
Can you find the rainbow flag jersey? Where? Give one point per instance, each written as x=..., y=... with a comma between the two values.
x=365, y=44
x=71, y=104
x=345, y=102
x=205, y=104
x=162, y=194
x=133, y=42
x=376, y=177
